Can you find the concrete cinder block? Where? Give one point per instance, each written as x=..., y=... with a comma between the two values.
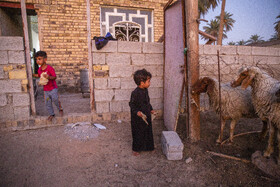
x=210, y=59
x=102, y=107
x=157, y=82
x=260, y=59
x=100, y=83
x=129, y=47
x=211, y=49
x=3, y=57
x=154, y=59
x=172, y=145
x=157, y=103
x=3, y=100
x=245, y=60
x=155, y=93
x=122, y=95
x=116, y=106
x=114, y=82
x=11, y=43
x=21, y=99
x=110, y=47
x=98, y=58
x=125, y=106
x=201, y=47
x=228, y=50
x=259, y=51
x=138, y=59
x=16, y=57
x=2, y=73
x=118, y=59
x=228, y=59
x=10, y=86
x=244, y=50
x=151, y=47
x=120, y=71
x=22, y=113
x=18, y=74
x=103, y=95
x=6, y=113
x=272, y=51
x=128, y=83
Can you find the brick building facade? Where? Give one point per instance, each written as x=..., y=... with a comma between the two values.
x=62, y=29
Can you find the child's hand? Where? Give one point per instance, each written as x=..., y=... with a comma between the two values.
x=139, y=114
x=46, y=76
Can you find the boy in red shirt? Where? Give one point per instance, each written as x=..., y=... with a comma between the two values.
x=50, y=89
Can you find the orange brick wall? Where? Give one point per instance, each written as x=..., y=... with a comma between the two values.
x=63, y=32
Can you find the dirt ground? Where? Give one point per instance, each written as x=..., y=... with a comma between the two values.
x=50, y=157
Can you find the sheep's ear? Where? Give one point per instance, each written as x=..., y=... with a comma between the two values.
x=246, y=82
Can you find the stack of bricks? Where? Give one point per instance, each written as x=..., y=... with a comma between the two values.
x=14, y=96
x=113, y=68
x=172, y=146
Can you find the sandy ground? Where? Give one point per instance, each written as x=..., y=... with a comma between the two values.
x=51, y=157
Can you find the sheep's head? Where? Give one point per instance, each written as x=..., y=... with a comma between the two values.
x=201, y=85
x=244, y=79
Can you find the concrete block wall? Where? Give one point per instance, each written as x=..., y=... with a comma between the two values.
x=113, y=68
x=14, y=96
x=232, y=58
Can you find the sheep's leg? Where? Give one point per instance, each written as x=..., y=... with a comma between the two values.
x=270, y=148
x=220, y=138
x=264, y=130
x=232, y=126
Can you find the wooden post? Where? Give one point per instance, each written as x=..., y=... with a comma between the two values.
x=221, y=27
x=90, y=78
x=27, y=57
x=191, y=8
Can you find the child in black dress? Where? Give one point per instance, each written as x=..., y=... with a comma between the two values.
x=142, y=132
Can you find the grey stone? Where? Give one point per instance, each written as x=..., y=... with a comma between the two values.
x=11, y=43
x=16, y=57
x=172, y=145
x=3, y=57
x=21, y=99
x=10, y=86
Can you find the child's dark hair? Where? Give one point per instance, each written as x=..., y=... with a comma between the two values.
x=141, y=76
x=41, y=54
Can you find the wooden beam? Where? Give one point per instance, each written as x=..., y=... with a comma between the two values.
x=16, y=5
x=209, y=36
x=191, y=9
x=90, y=78
x=27, y=57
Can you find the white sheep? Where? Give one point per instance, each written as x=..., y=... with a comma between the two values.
x=264, y=90
x=236, y=103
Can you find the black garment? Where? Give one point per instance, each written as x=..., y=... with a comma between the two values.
x=142, y=134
